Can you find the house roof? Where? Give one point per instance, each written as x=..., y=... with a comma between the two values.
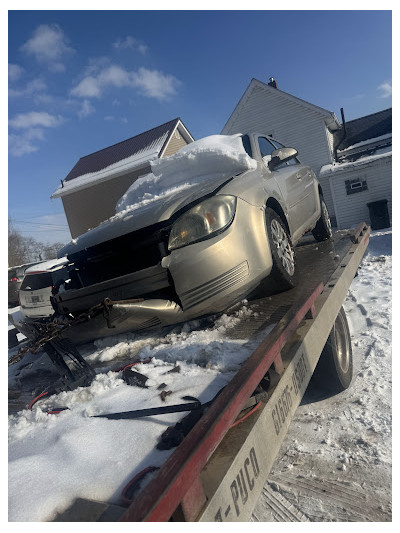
x=118, y=159
x=361, y=129
x=153, y=139
x=330, y=117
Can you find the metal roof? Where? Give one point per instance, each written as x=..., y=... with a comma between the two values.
x=112, y=154
x=364, y=128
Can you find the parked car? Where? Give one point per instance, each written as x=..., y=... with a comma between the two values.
x=231, y=213
x=15, y=277
x=37, y=286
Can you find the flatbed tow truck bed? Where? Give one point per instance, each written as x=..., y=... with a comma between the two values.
x=218, y=471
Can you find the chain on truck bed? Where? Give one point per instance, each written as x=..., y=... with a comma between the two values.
x=49, y=331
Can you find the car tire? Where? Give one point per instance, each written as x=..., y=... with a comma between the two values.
x=334, y=370
x=12, y=338
x=283, y=256
x=323, y=228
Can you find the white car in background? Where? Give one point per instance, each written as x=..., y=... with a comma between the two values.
x=38, y=285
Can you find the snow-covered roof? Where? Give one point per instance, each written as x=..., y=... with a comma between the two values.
x=120, y=158
x=364, y=160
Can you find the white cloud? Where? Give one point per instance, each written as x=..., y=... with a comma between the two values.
x=114, y=76
x=89, y=87
x=34, y=119
x=24, y=143
x=155, y=84
x=150, y=83
x=14, y=72
x=386, y=89
x=35, y=88
x=130, y=43
x=48, y=45
x=86, y=109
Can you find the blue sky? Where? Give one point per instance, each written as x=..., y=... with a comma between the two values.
x=83, y=80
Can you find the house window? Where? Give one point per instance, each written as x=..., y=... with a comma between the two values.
x=356, y=185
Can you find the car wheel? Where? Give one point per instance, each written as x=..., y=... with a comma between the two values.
x=323, y=228
x=12, y=338
x=334, y=370
x=283, y=257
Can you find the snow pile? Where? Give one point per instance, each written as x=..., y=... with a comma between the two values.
x=72, y=455
x=213, y=157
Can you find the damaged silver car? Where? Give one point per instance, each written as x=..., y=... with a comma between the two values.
x=198, y=234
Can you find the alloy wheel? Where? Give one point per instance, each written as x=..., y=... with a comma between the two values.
x=283, y=246
x=326, y=218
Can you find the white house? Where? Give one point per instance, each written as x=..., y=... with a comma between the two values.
x=337, y=152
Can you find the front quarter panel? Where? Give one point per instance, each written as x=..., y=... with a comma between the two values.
x=211, y=274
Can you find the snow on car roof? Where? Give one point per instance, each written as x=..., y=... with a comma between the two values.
x=209, y=158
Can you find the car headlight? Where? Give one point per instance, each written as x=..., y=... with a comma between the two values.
x=203, y=221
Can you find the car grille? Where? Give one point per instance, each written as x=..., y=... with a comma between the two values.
x=121, y=256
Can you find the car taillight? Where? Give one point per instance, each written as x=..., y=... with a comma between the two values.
x=13, y=279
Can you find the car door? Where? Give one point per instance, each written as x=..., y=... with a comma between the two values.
x=303, y=194
x=289, y=180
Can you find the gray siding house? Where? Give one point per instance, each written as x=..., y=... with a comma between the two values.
x=325, y=144
x=92, y=188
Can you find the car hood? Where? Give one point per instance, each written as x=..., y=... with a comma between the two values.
x=156, y=211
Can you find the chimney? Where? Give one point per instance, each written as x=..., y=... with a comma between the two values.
x=273, y=83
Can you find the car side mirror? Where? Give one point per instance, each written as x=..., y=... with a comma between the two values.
x=281, y=155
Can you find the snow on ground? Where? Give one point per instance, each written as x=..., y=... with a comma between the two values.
x=335, y=463
x=72, y=455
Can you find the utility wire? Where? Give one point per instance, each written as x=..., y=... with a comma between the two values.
x=40, y=223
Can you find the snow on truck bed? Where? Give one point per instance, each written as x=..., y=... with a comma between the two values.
x=335, y=463
x=71, y=455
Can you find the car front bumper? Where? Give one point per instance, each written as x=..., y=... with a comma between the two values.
x=206, y=277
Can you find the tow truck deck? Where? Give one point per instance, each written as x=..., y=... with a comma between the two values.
x=219, y=469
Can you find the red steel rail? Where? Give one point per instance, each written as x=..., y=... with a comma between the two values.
x=178, y=480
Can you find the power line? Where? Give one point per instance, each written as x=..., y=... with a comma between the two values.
x=40, y=230
x=40, y=223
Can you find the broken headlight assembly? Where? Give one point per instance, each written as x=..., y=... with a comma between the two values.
x=203, y=221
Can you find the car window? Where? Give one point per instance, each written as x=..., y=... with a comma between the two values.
x=37, y=281
x=278, y=145
x=293, y=161
x=266, y=147
x=247, y=145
